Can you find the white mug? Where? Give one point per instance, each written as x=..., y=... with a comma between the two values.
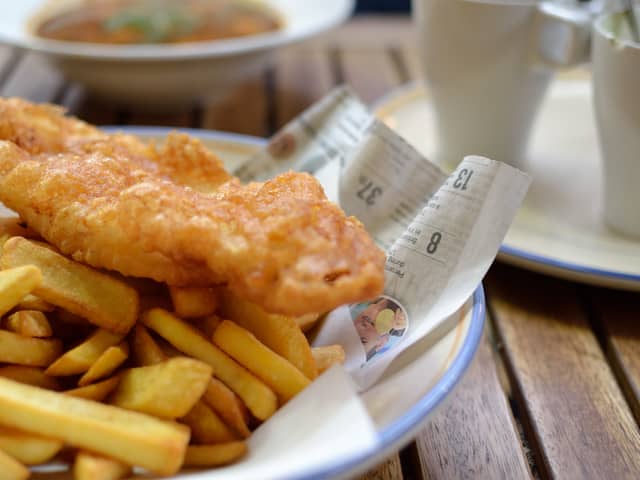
x=616, y=94
x=487, y=65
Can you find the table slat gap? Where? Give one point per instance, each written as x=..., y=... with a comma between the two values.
x=398, y=61
x=559, y=372
x=454, y=443
x=614, y=318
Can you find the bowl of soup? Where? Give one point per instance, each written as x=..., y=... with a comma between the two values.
x=163, y=54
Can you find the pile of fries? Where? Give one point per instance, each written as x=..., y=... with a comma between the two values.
x=115, y=373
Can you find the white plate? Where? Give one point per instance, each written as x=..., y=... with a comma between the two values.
x=558, y=230
x=164, y=76
x=415, y=383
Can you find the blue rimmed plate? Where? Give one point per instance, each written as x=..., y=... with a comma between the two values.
x=558, y=230
x=416, y=382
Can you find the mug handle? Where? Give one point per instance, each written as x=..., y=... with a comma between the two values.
x=562, y=34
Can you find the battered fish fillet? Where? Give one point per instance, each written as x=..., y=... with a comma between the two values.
x=171, y=213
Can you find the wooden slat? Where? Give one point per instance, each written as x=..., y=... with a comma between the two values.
x=577, y=418
x=473, y=435
x=617, y=314
x=33, y=79
x=243, y=109
x=301, y=76
x=391, y=469
x=371, y=73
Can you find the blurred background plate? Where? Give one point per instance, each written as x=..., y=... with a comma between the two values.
x=168, y=76
x=558, y=230
x=415, y=383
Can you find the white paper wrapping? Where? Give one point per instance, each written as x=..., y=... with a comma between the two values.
x=441, y=232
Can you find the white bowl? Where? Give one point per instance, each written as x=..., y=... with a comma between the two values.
x=162, y=76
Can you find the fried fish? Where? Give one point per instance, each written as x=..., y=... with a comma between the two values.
x=171, y=212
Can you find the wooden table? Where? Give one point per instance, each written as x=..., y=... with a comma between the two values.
x=554, y=389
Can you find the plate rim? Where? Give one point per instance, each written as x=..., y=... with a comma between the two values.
x=404, y=428
x=181, y=52
x=395, y=99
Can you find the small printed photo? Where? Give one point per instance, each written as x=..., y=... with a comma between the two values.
x=380, y=324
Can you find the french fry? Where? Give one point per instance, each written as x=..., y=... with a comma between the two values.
x=206, y=426
x=103, y=300
x=131, y=437
x=89, y=466
x=193, y=302
x=328, y=356
x=28, y=448
x=259, y=398
x=29, y=323
x=12, y=469
x=34, y=352
x=96, y=391
x=30, y=375
x=145, y=349
x=278, y=332
x=79, y=359
x=214, y=455
x=307, y=322
x=274, y=370
x=15, y=283
x=31, y=302
x=227, y=404
x=166, y=390
x=106, y=364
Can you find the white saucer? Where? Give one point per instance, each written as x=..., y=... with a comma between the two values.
x=558, y=230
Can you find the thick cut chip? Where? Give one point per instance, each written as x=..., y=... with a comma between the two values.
x=100, y=298
x=214, y=455
x=131, y=437
x=96, y=391
x=145, y=349
x=328, y=356
x=11, y=468
x=31, y=302
x=259, y=398
x=278, y=332
x=89, y=466
x=206, y=426
x=276, y=371
x=206, y=325
x=227, y=404
x=28, y=448
x=29, y=323
x=106, y=364
x=15, y=283
x=82, y=357
x=30, y=375
x=193, y=302
x=307, y=322
x=166, y=390
x=35, y=352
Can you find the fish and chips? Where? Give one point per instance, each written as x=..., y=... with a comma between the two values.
x=153, y=309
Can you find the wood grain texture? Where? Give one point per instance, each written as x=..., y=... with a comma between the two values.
x=390, y=469
x=617, y=314
x=473, y=435
x=577, y=418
